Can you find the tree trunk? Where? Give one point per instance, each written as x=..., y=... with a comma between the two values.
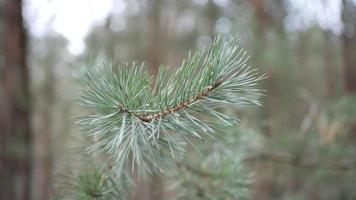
x=151, y=189
x=329, y=57
x=349, y=45
x=44, y=103
x=154, y=50
x=261, y=17
x=265, y=186
x=15, y=134
x=212, y=16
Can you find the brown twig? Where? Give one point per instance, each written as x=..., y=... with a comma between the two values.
x=180, y=106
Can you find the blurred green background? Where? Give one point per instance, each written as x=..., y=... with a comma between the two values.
x=301, y=143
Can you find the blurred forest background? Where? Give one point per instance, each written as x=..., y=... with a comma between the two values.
x=300, y=145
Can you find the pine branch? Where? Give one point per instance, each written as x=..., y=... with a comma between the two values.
x=138, y=127
x=219, y=174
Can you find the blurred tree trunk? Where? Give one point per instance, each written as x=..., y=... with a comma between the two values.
x=213, y=16
x=349, y=45
x=329, y=64
x=155, y=37
x=15, y=133
x=261, y=17
x=152, y=189
x=349, y=50
x=44, y=104
x=263, y=186
x=42, y=144
x=303, y=59
x=269, y=16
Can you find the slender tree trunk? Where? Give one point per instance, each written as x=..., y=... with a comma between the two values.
x=262, y=19
x=265, y=187
x=152, y=188
x=154, y=50
x=42, y=142
x=330, y=83
x=349, y=50
x=45, y=99
x=15, y=134
x=349, y=63
x=213, y=16
x=349, y=45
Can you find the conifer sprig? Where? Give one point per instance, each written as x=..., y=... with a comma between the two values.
x=138, y=126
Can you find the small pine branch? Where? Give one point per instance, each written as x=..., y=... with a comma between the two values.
x=219, y=174
x=138, y=127
x=91, y=183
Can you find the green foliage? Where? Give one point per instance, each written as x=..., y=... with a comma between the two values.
x=92, y=183
x=218, y=174
x=138, y=127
